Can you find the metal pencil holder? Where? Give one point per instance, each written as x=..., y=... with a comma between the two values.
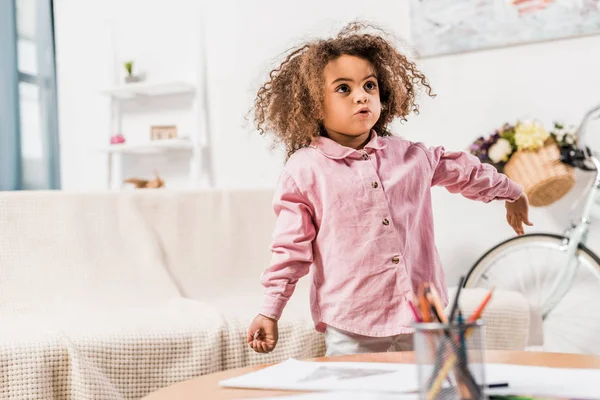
x=450, y=360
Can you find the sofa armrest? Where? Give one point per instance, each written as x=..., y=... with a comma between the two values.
x=506, y=317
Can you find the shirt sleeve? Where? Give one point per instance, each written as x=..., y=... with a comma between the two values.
x=292, y=253
x=460, y=172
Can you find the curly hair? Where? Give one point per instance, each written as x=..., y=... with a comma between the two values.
x=290, y=104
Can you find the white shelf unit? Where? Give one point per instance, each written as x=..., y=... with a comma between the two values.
x=158, y=146
x=115, y=152
x=138, y=89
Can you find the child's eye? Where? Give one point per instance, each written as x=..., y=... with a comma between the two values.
x=343, y=89
x=370, y=85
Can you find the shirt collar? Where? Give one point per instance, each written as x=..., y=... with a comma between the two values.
x=336, y=151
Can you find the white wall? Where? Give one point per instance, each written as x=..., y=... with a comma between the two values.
x=244, y=40
x=93, y=39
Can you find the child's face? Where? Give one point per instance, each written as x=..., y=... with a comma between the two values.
x=351, y=102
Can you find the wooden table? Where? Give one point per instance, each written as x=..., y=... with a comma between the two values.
x=206, y=386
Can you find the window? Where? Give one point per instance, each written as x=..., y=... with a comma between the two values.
x=31, y=156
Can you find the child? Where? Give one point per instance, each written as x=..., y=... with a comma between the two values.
x=354, y=201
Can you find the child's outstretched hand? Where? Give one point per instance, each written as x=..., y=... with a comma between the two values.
x=517, y=214
x=263, y=334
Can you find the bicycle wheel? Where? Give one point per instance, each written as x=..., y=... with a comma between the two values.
x=528, y=264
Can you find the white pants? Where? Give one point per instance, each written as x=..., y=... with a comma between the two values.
x=340, y=342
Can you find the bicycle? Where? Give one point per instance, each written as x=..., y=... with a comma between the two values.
x=562, y=276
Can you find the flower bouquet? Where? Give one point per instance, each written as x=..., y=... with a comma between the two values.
x=529, y=154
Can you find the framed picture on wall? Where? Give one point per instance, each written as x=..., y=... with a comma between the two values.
x=454, y=26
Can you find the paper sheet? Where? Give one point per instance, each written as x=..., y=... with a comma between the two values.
x=545, y=381
x=402, y=378
x=346, y=396
x=316, y=376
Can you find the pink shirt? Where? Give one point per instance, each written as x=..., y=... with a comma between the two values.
x=363, y=220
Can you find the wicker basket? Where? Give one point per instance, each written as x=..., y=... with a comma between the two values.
x=544, y=179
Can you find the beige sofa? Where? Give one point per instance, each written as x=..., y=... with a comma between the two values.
x=113, y=295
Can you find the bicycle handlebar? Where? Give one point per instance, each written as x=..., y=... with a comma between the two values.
x=582, y=127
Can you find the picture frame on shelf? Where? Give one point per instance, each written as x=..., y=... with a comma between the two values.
x=163, y=132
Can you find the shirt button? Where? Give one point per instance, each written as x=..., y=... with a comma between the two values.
x=375, y=185
x=395, y=259
x=365, y=156
x=385, y=221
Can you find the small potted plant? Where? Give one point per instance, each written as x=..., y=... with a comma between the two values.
x=130, y=77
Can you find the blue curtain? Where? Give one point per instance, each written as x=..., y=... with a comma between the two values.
x=29, y=148
x=11, y=177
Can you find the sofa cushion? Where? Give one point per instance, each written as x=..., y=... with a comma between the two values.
x=102, y=354
x=76, y=249
x=213, y=242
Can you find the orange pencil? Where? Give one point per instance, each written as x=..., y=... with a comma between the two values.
x=424, y=305
x=477, y=314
